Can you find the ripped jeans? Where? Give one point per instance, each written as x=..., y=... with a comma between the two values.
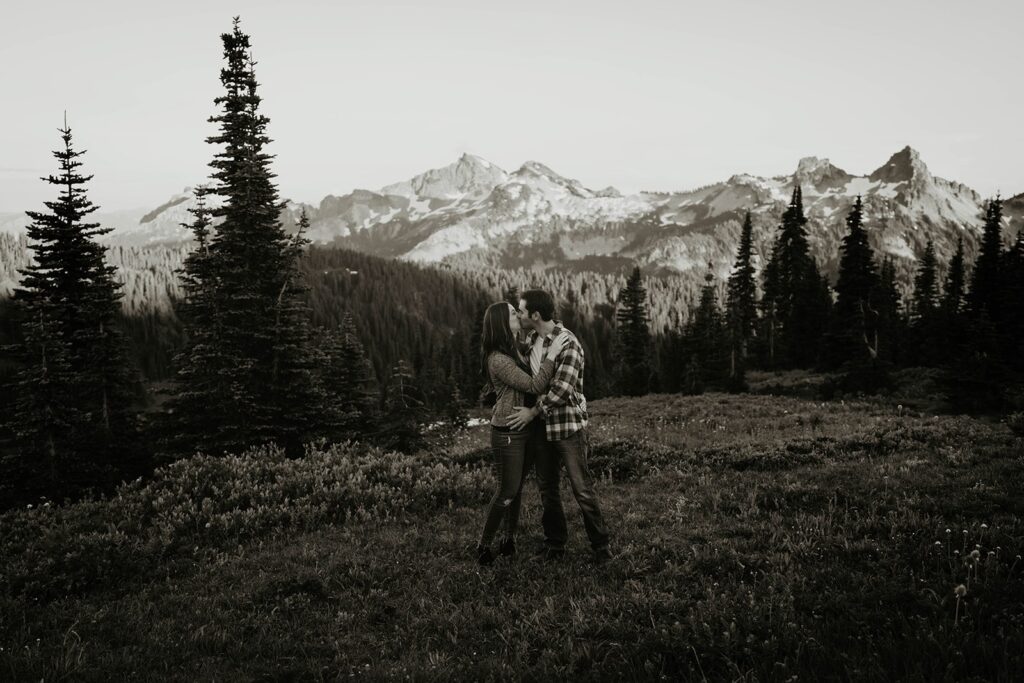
x=508, y=449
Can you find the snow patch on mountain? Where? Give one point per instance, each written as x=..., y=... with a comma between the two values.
x=897, y=246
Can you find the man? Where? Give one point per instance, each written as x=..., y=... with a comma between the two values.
x=558, y=429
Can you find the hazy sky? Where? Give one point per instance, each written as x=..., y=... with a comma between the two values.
x=637, y=94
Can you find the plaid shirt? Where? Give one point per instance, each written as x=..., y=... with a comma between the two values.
x=564, y=406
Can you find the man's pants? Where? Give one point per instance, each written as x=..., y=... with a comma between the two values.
x=547, y=457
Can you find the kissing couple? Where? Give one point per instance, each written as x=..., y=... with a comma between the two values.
x=539, y=420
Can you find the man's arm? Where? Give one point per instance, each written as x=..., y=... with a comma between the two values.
x=568, y=367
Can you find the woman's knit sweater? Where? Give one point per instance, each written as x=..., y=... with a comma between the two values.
x=511, y=382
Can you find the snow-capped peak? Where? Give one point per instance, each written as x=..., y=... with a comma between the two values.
x=535, y=168
x=469, y=176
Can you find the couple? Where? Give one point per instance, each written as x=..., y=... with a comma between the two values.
x=539, y=420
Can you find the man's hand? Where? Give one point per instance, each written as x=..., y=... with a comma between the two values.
x=522, y=417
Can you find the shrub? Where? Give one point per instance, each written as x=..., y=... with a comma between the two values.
x=211, y=502
x=1016, y=423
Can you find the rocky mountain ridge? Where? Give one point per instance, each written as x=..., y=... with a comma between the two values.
x=472, y=211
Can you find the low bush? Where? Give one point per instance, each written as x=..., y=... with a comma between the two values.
x=213, y=502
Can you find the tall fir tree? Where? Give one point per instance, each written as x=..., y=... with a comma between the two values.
x=950, y=317
x=741, y=307
x=953, y=291
x=706, y=340
x=1012, y=306
x=295, y=393
x=855, y=320
x=455, y=406
x=983, y=298
x=671, y=355
x=401, y=426
x=892, y=322
x=633, y=339
x=348, y=378
x=926, y=284
x=925, y=323
x=195, y=417
x=74, y=417
x=979, y=377
x=795, y=300
x=268, y=390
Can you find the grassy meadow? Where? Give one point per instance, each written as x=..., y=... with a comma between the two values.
x=757, y=538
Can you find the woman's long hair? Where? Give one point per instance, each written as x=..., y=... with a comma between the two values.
x=497, y=335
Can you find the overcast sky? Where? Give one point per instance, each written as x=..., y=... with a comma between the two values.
x=638, y=94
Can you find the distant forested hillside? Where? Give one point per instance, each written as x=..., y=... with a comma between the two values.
x=426, y=315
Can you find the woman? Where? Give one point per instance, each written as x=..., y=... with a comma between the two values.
x=505, y=368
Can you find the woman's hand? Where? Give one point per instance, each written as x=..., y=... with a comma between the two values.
x=557, y=344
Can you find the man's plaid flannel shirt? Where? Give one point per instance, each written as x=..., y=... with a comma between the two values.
x=564, y=406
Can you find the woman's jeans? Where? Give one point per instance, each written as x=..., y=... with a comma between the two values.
x=509, y=452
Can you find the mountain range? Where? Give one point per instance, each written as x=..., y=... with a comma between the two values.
x=472, y=211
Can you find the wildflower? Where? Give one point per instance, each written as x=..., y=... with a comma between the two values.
x=975, y=555
x=960, y=591
x=984, y=526
x=938, y=542
x=949, y=531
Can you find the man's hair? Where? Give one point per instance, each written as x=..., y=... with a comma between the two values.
x=539, y=301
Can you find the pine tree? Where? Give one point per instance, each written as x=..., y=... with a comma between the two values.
x=295, y=393
x=741, y=306
x=706, y=338
x=455, y=406
x=983, y=297
x=348, y=378
x=74, y=416
x=926, y=294
x=891, y=319
x=949, y=343
x=267, y=391
x=693, y=376
x=925, y=327
x=770, y=308
x=953, y=291
x=980, y=373
x=633, y=340
x=795, y=309
x=431, y=383
x=402, y=422
x=1012, y=303
x=196, y=418
x=671, y=356
x=856, y=318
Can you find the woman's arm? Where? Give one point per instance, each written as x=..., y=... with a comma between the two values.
x=505, y=370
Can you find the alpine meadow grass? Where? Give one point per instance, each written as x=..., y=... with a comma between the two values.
x=756, y=538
